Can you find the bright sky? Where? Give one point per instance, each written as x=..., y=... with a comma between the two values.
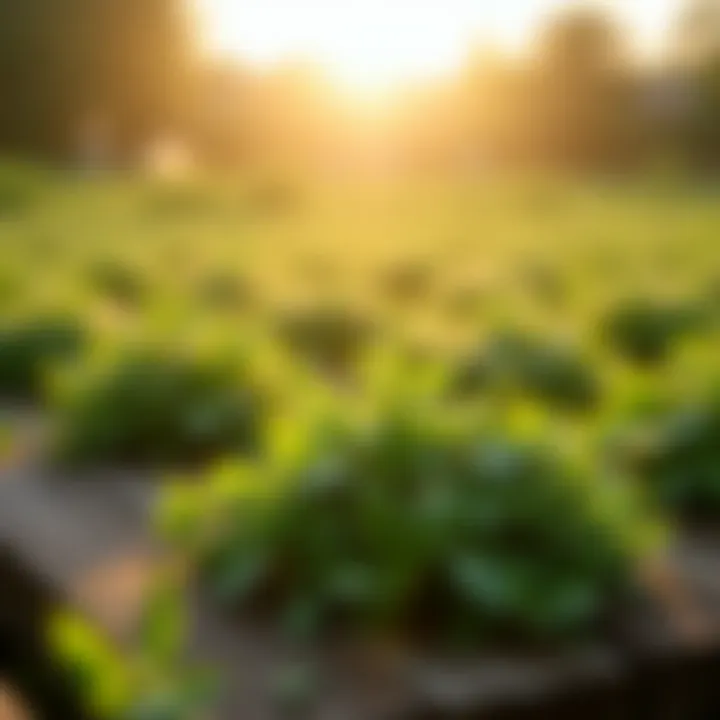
x=380, y=42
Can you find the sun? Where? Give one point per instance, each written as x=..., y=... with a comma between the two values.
x=379, y=44
x=363, y=44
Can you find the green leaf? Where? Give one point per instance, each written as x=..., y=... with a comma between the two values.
x=162, y=630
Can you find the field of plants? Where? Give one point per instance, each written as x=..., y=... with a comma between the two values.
x=460, y=414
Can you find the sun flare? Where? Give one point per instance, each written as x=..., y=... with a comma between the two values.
x=379, y=44
x=373, y=44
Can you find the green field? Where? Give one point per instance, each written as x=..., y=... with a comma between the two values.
x=482, y=252
x=435, y=267
x=359, y=345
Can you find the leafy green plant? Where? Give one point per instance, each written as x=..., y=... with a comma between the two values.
x=331, y=338
x=119, y=282
x=416, y=522
x=155, y=407
x=646, y=331
x=677, y=453
x=30, y=346
x=151, y=681
x=512, y=362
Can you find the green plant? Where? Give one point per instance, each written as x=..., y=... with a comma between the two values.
x=331, y=338
x=514, y=363
x=416, y=522
x=30, y=346
x=154, y=407
x=677, y=453
x=152, y=681
x=646, y=331
x=119, y=282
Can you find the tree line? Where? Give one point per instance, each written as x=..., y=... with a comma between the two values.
x=63, y=62
x=578, y=99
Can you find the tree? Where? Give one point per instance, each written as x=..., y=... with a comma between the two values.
x=580, y=113
x=697, y=53
x=61, y=60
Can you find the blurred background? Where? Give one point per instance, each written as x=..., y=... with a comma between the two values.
x=460, y=86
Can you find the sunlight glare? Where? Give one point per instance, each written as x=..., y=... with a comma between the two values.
x=378, y=44
x=373, y=44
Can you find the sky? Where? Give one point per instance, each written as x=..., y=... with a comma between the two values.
x=383, y=41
